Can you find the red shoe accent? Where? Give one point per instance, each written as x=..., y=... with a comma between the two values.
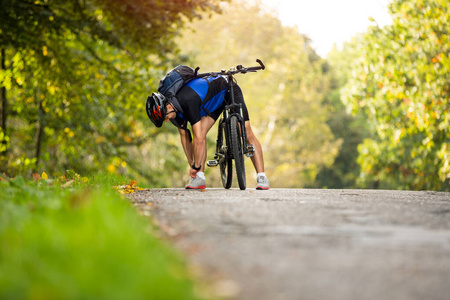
x=262, y=188
x=201, y=187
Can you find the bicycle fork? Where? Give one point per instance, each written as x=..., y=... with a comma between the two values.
x=249, y=150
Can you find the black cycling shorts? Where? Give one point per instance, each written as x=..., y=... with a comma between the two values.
x=238, y=98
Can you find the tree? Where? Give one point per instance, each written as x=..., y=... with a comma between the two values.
x=151, y=24
x=351, y=129
x=74, y=78
x=401, y=83
x=285, y=101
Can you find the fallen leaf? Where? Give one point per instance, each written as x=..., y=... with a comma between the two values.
x=36, y=177
x=133, y=183
x=130, y=188
x=63, y=178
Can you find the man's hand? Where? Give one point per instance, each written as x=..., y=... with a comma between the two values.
x=192, y=172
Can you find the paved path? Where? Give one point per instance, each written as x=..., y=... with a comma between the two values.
x=311, y=244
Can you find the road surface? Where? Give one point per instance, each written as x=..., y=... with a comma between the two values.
x=310, y=244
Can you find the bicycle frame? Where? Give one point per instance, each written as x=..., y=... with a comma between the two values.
x=227, y=113
x=235, y=135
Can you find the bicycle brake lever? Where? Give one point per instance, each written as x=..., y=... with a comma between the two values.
x=261, y=64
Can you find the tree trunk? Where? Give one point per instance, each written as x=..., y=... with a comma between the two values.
x=39, y=135
x=3, y=100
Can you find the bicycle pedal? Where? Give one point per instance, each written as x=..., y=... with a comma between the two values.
x=250, y=151
x=212, y=163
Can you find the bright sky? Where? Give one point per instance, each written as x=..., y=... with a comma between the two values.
x=328, y=22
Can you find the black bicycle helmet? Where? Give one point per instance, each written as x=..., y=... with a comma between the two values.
x=156, y=108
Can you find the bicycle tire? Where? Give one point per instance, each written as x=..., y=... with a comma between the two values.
x=226, y=165
x=237, y=150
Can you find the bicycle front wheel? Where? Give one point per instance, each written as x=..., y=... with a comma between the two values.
x=238, y=151
x=226, y=164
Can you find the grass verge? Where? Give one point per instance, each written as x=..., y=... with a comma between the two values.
x=84, y=241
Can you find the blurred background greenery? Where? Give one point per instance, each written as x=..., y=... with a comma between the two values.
x=75, y=76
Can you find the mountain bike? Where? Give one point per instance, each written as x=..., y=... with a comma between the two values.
x=231, y=141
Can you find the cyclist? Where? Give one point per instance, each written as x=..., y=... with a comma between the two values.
x=186, y=107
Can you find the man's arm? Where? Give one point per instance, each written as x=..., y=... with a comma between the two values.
x=187, y=145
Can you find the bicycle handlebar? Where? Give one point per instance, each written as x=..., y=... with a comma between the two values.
x=232, y=71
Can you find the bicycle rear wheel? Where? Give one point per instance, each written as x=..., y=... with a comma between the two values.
x=238, y=151
x=226, y=164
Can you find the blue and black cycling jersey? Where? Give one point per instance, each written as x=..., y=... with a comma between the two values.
x=201, y=97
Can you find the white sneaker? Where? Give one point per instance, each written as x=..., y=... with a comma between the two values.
x=196, y=183
x=263, y=183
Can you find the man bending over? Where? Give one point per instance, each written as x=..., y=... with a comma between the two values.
x=186, y=107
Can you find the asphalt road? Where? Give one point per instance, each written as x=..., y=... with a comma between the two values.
x=310, y=244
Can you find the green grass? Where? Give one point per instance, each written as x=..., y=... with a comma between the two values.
x=82, y=242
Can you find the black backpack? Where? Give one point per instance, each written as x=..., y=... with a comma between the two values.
x=175, y=79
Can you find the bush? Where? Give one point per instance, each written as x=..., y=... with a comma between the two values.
x=83, y=243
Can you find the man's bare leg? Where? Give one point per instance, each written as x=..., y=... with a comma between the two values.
x=258, y=158
x=207, y=122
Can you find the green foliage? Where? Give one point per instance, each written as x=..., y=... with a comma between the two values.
x=63, y=107
x=82, y=244
x=285, y=101
x=351, y=129
x=28, y=24
x=153, y=24
x=345, y=170
x=76, y=75
x=4, y=141
x=400, y=82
